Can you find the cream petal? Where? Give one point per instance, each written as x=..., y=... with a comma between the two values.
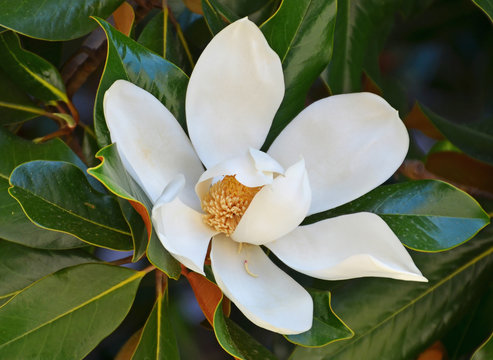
x=233, y=93
x=345, y=247
x=180, y=228
x=152, y=145
x=267, y=296
x=277, y=208
x=252, y=168
x=351, y=144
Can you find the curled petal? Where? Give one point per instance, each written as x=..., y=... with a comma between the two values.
x=264, y=293
x=152, y=145
x=253, y=168
x=345, y=247
x=233, y=93
x=277, y=208
x=351, y=144
x=180, y=228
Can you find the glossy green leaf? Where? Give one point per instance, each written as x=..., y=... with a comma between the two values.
x=112, y=174
x=34, y=74
x=65, y=315
x=425, y=215
x=152, y=37
x=56, y=195
x=20, y=266
x=326, y=328
x=301, y=32
x=157, y=340
x=137, y=228
x=384, y=312
x=54, y=19
x=236, y=341
x=217, y=15
x=14, y=225
x=485, y=352
x=15, y=104
x=245, y=8
x=131, y=61
x=474, y=139
x=486, y=6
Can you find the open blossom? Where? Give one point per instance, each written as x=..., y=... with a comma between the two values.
x=334, y=151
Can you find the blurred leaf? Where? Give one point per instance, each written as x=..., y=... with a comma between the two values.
x=54, y=19
x=485, y=352
x=34, y=74
x=417, y=120
x=131, y=61
x=157, y=340
x=56, y=195
x=124, y=17
x=152, y=37
x=112, y=174
x=14, y=225
x=472, y=175
x=476, y=140
x=301, y=33
x=434, y=352
x=486, y=6
x=326, y=328
x=67, y=314
x=383, y=312
x=245, y=8
x=127, y=350
x=20, y=266
x=194, y=6
x=15, y=104
x=236, y=341
x=425, y=215
x=217, y=16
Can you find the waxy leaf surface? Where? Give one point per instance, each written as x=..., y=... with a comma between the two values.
x=54, y=19
x=65, y=315
x=486, y=6
x=383, y=312
x=425, y=215
x=56, y=195
x=14, y=225
x=131, y=61
x=301, y=32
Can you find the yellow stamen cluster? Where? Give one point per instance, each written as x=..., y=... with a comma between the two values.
x=226, y=203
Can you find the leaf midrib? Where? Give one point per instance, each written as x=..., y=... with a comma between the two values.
x=67, y=211
x=99, y=296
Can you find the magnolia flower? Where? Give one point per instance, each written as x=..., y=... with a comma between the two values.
x=334, y=151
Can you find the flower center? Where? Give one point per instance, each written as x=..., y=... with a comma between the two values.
x=225, y=204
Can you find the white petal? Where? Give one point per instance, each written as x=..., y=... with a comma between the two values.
x=277, y=209
x=180, y=228
x=272, y=299
x=252, y=168
x=351, y=144
x=233, y=93
x=152, y=145
x=345, y=247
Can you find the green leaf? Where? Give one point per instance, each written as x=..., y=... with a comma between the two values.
x=486, y=6
x=326, y=328
x=157, y=340
x=137, y=228
x=384, y=312
x=65, y=315
x=54, y=19
x=131, y=61
x=485, y=352
x=476, y=140
x=425, y=215
x=14, y=225
x=152, y=37
x=20, y=266
x=236, y=341
x=15, y=104
x=34, y=74
x=112, y=174
x=56, y=195
x=217, y=16
x=301, y=32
